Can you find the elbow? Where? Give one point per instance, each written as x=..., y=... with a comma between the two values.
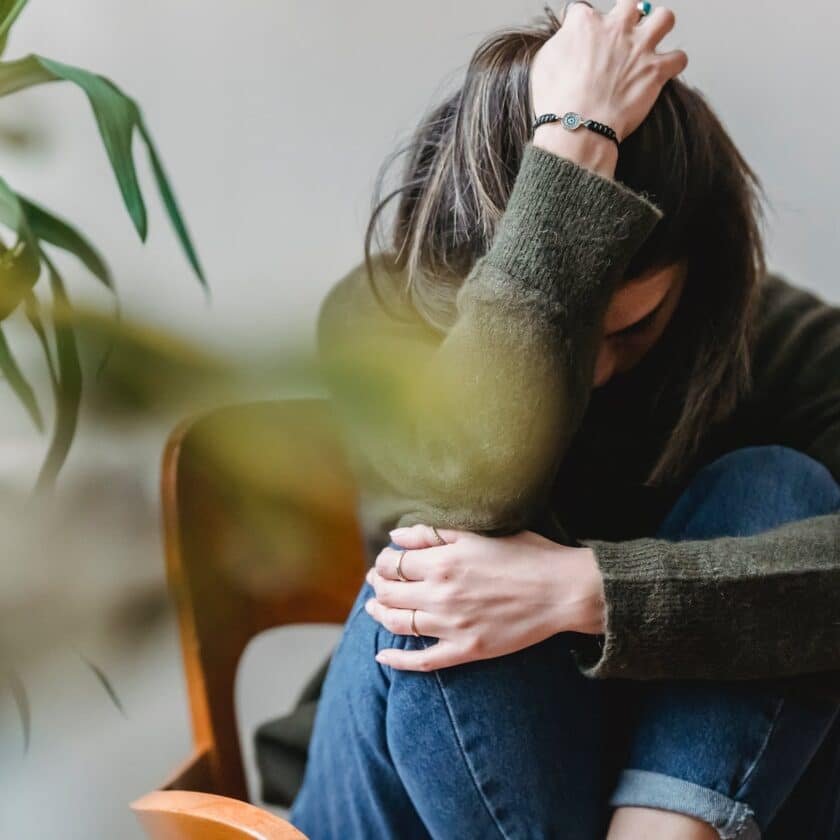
x=492, y=495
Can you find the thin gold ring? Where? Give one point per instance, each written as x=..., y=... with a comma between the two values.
x=440, y=539
x=400, y=574
x=413, y=625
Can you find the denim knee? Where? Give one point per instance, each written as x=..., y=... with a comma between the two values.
x=750, y=490
x=781, y=465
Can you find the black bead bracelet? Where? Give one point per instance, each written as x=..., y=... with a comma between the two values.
x=571, y=121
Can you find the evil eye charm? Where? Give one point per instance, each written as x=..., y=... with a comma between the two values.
x=571, y=120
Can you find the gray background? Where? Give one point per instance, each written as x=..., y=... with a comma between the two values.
x=272, y=118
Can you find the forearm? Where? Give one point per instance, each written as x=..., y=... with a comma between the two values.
x=585, y=148
x=762, y=606
x=468, y=431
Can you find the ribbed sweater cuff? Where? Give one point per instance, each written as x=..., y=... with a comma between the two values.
x=633, y=572
x=565, y=225
x=720, y=608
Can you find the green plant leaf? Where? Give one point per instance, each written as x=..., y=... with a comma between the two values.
x=169, y=201
x=20, y=266
x=9, y=11
x=50, y=228
x=23, y=73
x=68, y=392
x=105, y=683
x=117, y=116
x=17, y=381
x=33, y=314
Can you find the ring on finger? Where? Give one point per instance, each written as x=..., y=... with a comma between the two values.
x=400, y=574
x=644, y=8
x=414, y=623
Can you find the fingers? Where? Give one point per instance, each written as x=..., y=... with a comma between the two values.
x=651, y=30
x=626, y=11
x=443, y=654
x=416, y=564
x=655, y=26
x=398, y=593
x=422, y=547
x=420, y=536
x=580, y=7
x=399, y=621
x=671, y=63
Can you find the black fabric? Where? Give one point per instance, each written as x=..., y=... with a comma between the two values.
x=281, y=744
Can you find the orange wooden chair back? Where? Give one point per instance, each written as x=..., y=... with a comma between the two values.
x=261, y=530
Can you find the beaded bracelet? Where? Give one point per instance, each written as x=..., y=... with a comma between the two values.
x=570, y=120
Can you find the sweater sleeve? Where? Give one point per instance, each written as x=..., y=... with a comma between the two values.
x=466, y=428
x=761, y=606
x=728, y=608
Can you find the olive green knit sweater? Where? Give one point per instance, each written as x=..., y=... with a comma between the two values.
x=475, y=423
x=475, y=428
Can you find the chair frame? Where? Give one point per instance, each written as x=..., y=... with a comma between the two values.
x=217, y=621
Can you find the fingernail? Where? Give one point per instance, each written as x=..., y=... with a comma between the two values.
x=381, y=658
x=368, y=604
x=397, y=533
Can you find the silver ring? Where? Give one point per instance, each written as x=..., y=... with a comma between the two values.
x=644, y=8
x=413, y=625
x=440, y=539
x=400, y=574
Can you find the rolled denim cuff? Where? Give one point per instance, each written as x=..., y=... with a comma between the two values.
x=642, y=789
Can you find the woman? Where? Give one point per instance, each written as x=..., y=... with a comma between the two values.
x=610, y=440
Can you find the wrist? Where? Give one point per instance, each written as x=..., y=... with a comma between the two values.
x=580, y=597
x=584, y=147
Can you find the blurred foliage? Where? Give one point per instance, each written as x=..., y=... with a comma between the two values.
x=279, y=502
x=25, y=265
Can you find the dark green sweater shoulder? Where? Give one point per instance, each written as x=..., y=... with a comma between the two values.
x=781, y=588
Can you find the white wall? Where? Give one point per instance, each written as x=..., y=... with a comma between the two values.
x=272, y=117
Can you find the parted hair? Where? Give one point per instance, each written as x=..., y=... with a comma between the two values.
x=461, y=164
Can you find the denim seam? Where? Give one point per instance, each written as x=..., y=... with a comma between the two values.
x=741, y=818
x=347, y=622
x=470, y=770
x=763, y=749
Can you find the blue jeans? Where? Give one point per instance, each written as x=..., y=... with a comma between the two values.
x=524, y=746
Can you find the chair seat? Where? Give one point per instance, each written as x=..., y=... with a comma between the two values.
x=183, y=815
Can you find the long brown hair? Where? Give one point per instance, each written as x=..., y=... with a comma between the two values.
x=462, y=162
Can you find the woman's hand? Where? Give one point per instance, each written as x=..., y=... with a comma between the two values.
x=603, y=66
x=481, y=597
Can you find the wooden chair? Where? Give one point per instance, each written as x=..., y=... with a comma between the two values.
x=260, y=529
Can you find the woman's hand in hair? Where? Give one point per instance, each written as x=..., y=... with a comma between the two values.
x=604, y=66
x=481, y=597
